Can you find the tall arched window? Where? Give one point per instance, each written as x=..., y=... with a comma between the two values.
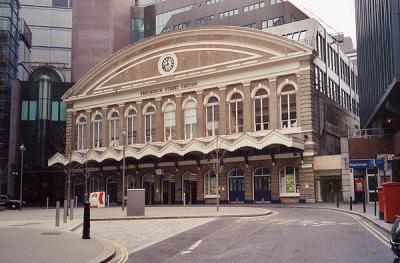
x=236, y=113
x=289, y=180
x=210, y=183
x=150, y=124
x=190, y=115
x=212, y=114
x=261, y=110
x=81, y=133
x=97, y=131
x=288, y=107
x=131, y=122
x=114, y=121
x=169, y=122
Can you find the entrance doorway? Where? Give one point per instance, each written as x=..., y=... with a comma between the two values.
x=79, y=191
x=331, y=187
x=148, y=185
x=168, y=190
x=189, y=187
x=236, y=185
x=262, y=184
x=112, y=190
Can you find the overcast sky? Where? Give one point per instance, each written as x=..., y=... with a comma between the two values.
x=339, y=14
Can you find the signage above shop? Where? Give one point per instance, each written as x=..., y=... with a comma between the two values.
x=368, y=164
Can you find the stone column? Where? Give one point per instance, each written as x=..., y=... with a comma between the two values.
x=178, y=187
x=223, y=112
x=88, y=129
x=247, y=120
x=274, y=182
x=248, y=186
x=121, y=125
x=179, y=117
x=273, y=100
x=200, y=184
x=104, y=128
x=159, y=121
x=140, y=119
x=201, y=117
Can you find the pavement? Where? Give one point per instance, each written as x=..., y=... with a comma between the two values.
x=35, y=232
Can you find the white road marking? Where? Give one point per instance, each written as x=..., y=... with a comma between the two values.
x=373, y=231
x=195, y=245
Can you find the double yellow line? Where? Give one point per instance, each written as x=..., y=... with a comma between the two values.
x=381, y=237
x=124, y=252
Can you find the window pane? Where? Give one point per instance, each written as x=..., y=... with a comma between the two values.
x=63, y=111
x=54, y=110
x=32, y=110
x=24, y=110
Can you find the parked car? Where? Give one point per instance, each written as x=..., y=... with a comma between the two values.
x=11, y=204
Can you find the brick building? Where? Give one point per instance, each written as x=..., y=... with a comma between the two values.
x=170, y=103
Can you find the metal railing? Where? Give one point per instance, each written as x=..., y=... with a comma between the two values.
x=366, y=133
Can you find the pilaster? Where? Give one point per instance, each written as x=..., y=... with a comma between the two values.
x=179, y=117
x=104, y=128
x=201, y=121
x=140, y=119
x=247, y=120
x=88, y=129
x=159, y=121
x=121, y=124
x=273, y=100
x=223, y=112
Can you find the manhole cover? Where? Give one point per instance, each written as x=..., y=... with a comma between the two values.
x=51, y=233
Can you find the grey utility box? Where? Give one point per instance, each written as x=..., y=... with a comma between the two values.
x=135, y=202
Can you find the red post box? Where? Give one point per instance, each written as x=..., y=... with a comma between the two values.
x=381, y=203
x=391, y=200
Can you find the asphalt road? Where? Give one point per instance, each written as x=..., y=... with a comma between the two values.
x=289, y=235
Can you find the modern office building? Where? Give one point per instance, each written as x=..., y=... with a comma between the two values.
x=9, y=42
x=177, y=99
x=378, y=39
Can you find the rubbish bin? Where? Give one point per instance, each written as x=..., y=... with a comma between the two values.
x=135, y=204
x=381, y=203
x=391, y=200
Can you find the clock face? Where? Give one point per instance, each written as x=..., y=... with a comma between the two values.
x=168, y=64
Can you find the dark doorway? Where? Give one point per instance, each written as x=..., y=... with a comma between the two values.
x=190, y=190
x=262, y=188
x=168, y=192
x=112, y=193
x=330, y=188
x=149, y=192
x=236, y=189
x=80, y=193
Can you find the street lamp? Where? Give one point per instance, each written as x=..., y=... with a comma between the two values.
x=22, y=149
x=123, y=169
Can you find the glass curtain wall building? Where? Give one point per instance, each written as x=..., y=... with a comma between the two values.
x=9, y=38
x=378, y=39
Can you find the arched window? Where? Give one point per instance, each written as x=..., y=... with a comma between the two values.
x=212, y=114
x=190, y=115
x=81, y=133
x=44, y=98
x=236, y=113
x=210, y=183
x=114, y=121
x=169, y=122
x=289, y=180
x=97, y=131
x=288, y=107
x=131, y=122
x=261, y=110
x=150, y=124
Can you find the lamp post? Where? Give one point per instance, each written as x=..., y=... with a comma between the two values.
x=22, y=149
x=123, y=169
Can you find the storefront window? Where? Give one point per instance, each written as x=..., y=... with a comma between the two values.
x=289, y=180
x=210, y=183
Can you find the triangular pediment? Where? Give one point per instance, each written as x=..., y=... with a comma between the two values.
x=183, y=53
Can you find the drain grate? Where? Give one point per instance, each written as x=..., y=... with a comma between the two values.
x=51, y=233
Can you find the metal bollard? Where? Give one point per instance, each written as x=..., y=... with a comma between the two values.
x=108, y=200
x=47, y=203
x=76, y=201
x=71, y=210
x=364, y=208
x=65, y=211
x=86, y=221
x=351, y=203
x=184, y=199
x=57, y=213
x=337, y=200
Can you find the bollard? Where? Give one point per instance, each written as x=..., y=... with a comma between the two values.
x=71, y=210
x=65, y=211
x=184, y=199
x=47, y=203
x=76, y=201
x=108, y=200
x=86, y=221
x=337, y=200
x=351, y=203
x=57, y=213
x=364, y=208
